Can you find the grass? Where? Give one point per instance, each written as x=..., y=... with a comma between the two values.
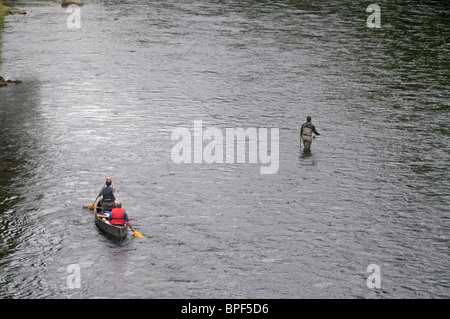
x=3, y=11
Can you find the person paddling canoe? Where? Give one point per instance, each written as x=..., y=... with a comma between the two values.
x=107, y=192
x=119, y=216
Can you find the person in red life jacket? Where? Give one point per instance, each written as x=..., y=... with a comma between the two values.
x=119, y=216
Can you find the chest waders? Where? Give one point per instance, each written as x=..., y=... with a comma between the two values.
x=307, y=137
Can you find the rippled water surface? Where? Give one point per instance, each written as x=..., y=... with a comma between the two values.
x=103, y=100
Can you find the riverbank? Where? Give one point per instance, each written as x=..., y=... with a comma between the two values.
x=4, y=11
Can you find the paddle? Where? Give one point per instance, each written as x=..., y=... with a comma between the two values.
x=92, y=206
x=138, y=234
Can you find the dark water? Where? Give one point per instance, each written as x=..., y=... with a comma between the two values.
x=103, y=100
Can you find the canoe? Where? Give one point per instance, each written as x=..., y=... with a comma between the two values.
x=117, y=232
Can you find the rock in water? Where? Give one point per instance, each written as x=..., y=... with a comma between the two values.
x=4, y=82
x=66, y=3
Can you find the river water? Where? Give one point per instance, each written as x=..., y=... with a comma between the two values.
x=103, y=100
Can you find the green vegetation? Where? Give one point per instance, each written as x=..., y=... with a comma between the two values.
x=4, y=10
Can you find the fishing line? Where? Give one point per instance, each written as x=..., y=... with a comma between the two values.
x=355, y=120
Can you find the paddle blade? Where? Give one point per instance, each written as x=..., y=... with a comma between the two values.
x=138, y=234
x=92, y=206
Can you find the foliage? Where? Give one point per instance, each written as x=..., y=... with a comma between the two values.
x=4, y=10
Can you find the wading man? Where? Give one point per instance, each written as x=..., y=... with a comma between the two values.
x=306, y=132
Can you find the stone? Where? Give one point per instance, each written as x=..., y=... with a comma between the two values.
x=66, y=3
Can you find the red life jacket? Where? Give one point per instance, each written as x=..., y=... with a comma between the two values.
x=118, y=217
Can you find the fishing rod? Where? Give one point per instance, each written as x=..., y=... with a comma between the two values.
x=347, y=123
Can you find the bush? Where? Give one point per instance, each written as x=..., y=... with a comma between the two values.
x=4, y=10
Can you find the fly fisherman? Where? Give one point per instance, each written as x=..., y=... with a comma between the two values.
x=306, y=133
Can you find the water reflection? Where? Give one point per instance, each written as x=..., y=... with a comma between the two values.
x=306, y=153
x=20, y=129
x=237, y=64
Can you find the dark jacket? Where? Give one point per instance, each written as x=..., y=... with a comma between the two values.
x=108, y=194
x=309, y=125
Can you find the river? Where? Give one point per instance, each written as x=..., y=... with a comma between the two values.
x=104, y=100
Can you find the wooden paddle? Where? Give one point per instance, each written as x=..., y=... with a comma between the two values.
x=92, y=206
